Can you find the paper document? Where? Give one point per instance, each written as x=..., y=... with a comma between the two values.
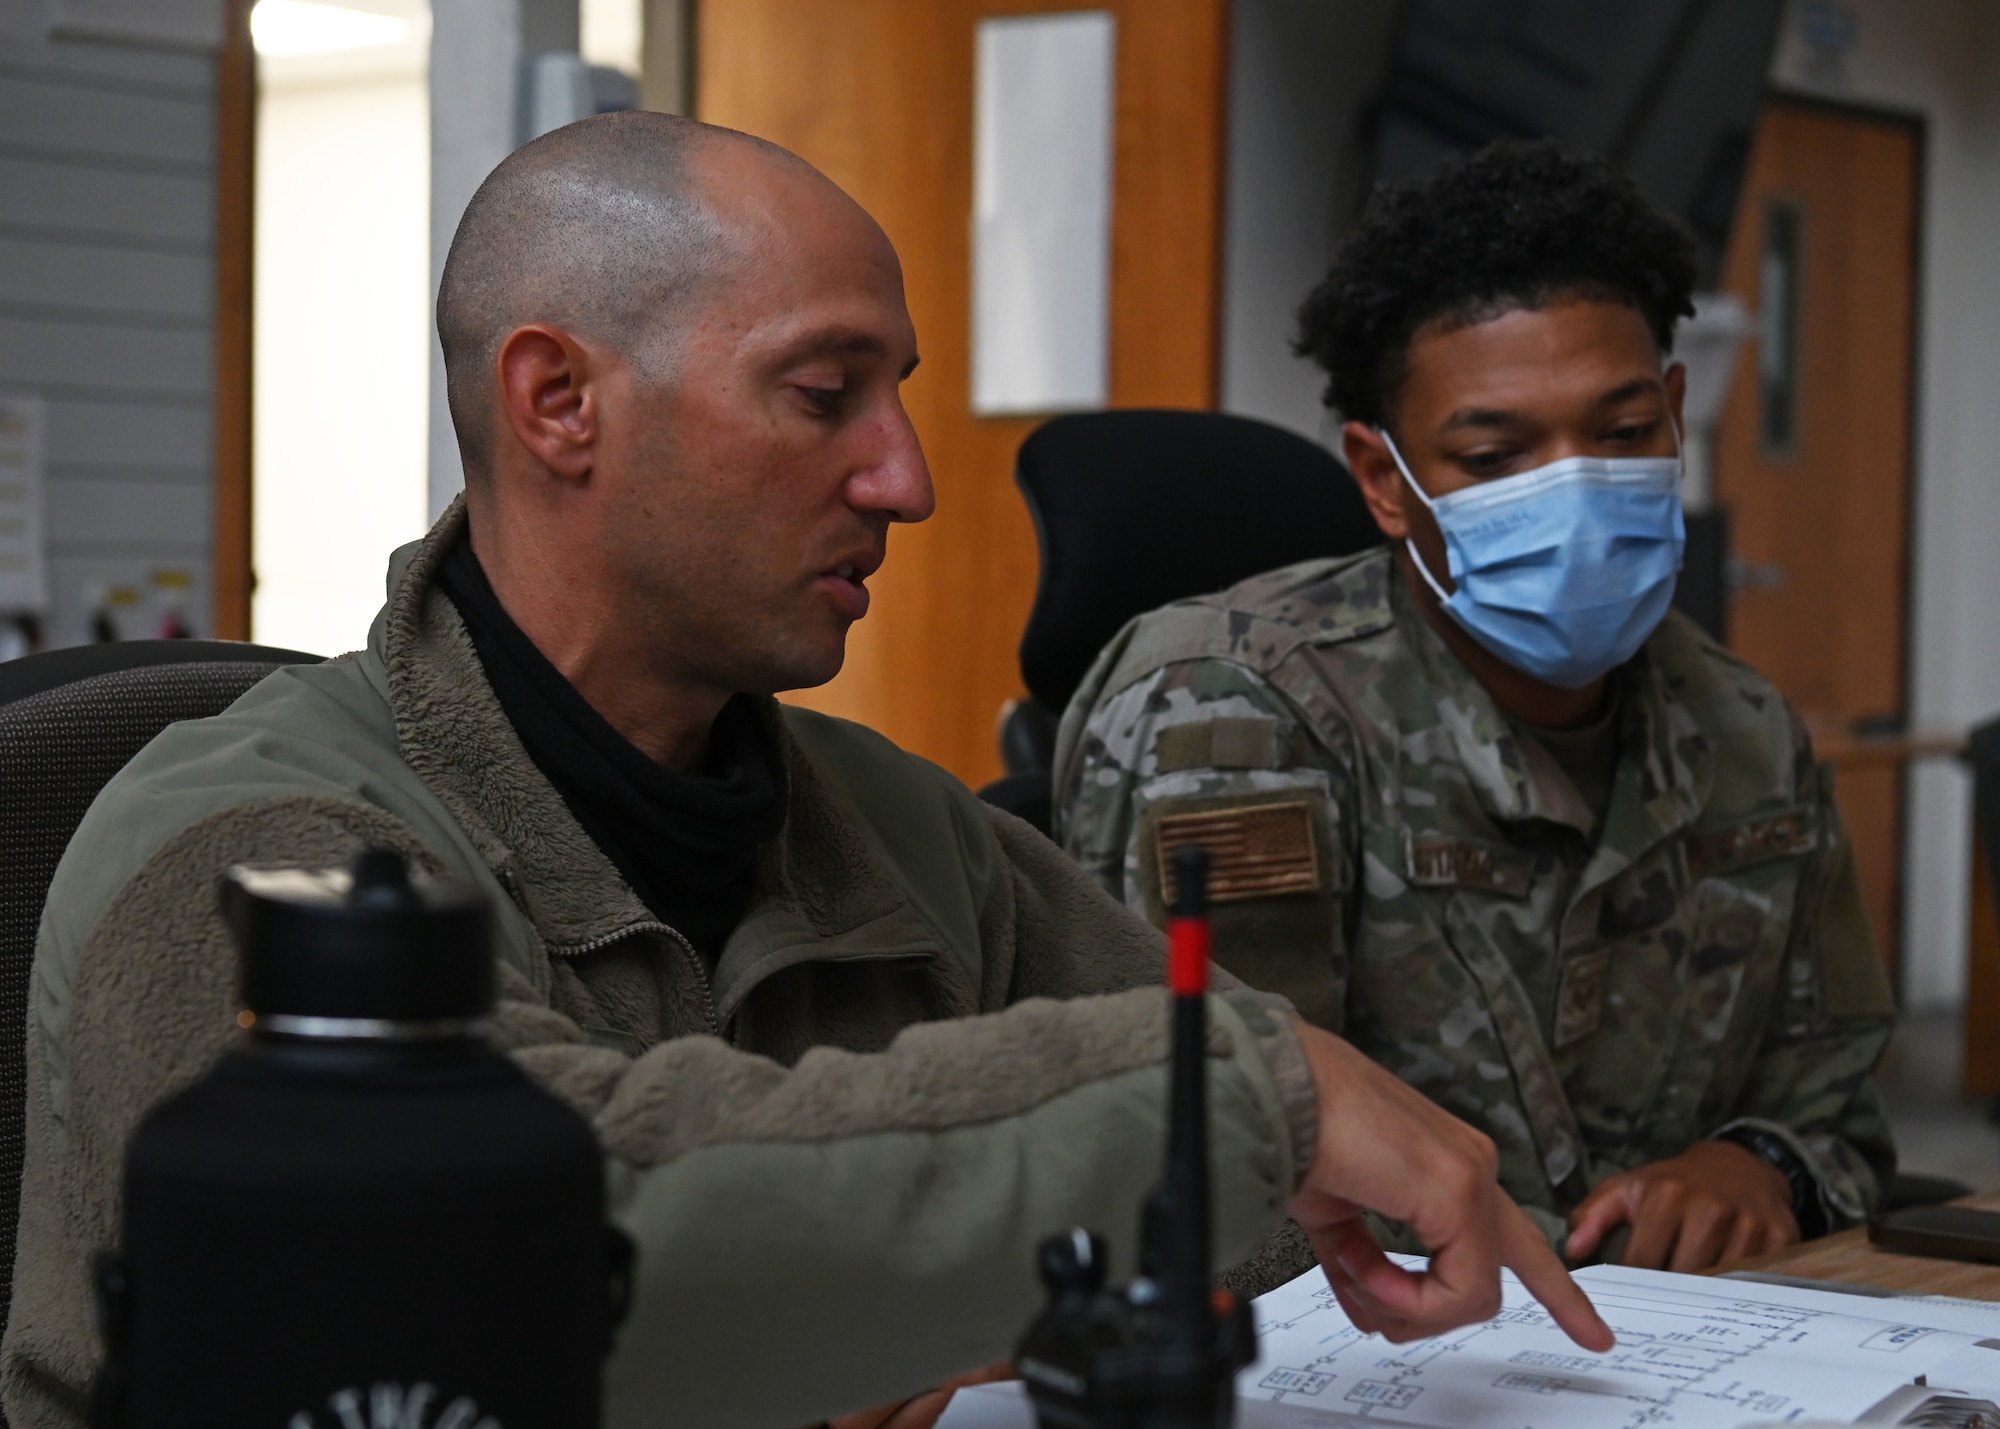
x=1693, y=1353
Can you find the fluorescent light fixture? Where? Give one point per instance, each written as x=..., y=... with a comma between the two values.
x=305, y=27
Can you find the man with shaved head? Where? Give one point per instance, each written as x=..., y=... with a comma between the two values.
x=853, y=1042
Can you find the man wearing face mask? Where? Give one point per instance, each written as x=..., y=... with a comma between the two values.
x=1481, y=802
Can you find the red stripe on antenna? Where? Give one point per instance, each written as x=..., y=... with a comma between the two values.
x=1187, y=956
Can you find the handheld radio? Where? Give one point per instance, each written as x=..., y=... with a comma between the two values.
x=1163, y=1352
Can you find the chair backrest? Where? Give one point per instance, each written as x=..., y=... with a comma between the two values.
x=69, y=720
x=1138, y=508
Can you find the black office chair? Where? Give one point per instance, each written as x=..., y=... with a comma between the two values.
x=69, y=720
x=1135, y=509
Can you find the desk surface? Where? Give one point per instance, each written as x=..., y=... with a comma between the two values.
x=1848, y=1256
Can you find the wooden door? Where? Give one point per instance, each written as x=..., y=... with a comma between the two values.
x=1813, y=458
x=878, y=94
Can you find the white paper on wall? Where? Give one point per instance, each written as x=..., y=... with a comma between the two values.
x=1041, y=223
x=24, y=585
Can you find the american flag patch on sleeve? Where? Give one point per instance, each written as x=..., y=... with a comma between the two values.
x=1255, y=851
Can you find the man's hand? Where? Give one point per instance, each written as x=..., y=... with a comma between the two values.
x=924, y=1410
x=1386, y=1148
x=1714, y=1203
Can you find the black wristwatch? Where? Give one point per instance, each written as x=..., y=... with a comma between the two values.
x=1774, y=1151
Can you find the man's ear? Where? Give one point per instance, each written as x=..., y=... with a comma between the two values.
x=1677, y=390
x=548, y=399
x=1380, y=479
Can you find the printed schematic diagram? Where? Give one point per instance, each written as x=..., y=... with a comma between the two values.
x=1694, y=1358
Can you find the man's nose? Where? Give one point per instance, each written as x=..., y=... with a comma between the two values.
x=896, y=479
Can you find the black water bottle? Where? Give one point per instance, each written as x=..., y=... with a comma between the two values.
x=362, y=1215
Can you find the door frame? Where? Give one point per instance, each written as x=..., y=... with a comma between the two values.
x=230, y=576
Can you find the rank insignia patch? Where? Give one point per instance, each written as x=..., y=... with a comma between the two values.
x=1580, y=999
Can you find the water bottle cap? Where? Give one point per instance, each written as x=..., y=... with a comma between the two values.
x=363, y=947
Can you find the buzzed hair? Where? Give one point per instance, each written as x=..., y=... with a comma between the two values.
x=598, y=228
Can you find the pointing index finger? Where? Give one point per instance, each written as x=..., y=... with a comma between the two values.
x=1528, y=1255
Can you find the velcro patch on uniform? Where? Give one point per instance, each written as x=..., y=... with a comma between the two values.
x=1225, y=742
x=1253, y=852
x=1435, y=862
x=1751, y=841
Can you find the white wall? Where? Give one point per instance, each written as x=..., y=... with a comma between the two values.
x=107, y=309
x=476, y=53
x=1300, y=73
x=1941, y=59
x=475, y=59
x=342, y=321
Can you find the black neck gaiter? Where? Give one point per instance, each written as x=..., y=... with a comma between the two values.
x=686, y=844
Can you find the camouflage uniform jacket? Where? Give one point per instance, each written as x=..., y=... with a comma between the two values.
x=1414, y=872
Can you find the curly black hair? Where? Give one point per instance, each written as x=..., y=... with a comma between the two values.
x=1516, y=225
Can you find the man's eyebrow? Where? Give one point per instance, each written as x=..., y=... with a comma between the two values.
x=1626, y=391
x=846, y=342
x=837, y=342
x=1481, y=417
x=1466, y=417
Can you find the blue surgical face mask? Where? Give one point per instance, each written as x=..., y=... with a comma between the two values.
x=1562, y=571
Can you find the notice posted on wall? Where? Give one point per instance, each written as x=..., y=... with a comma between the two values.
x=24, y=585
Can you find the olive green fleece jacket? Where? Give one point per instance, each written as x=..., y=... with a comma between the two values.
x=932, y=1041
